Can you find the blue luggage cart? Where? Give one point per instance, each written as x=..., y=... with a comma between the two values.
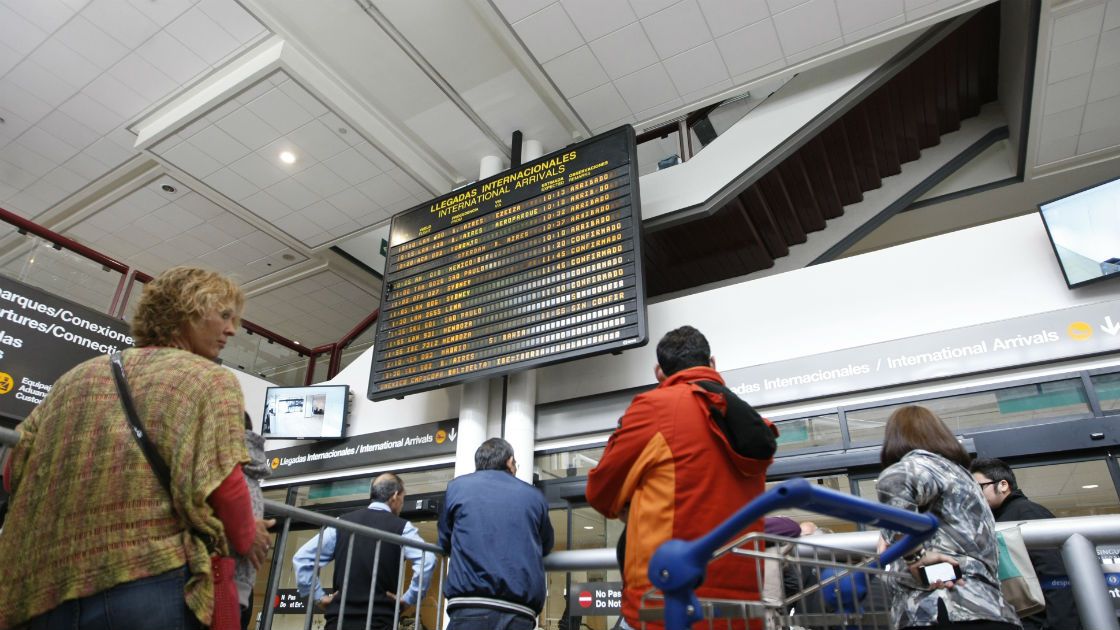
x=831, y=587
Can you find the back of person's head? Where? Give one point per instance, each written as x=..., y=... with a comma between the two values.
x=913, y=427
x=995, y=469
x=384, y=486
x=681, y=349
x=178, y=296
x=493, y=455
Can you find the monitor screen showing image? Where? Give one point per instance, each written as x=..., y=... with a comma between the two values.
x=305, y=413
x=1084, y=229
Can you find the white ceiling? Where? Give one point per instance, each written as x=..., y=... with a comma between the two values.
x=384, y=104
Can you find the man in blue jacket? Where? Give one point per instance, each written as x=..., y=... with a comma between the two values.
x=496, y=529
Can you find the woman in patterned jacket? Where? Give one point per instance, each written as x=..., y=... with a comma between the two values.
x=926, y=470
x=91, y=534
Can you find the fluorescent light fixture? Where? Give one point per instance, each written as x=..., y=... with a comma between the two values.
x=287, y=157
x=589, y=527
x=1091, y=486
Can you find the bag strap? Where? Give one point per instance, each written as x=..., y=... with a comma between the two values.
x=159, y=466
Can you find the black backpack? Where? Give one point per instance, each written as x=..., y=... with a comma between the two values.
x=747, y=433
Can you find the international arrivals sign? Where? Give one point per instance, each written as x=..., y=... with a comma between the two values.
x=371, y=449
x=1085, y=330
x=41, y=337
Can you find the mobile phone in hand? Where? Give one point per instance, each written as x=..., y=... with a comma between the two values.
x=940, y=572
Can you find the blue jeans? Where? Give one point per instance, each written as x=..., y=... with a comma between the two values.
x=151, y=602
x=467, y=618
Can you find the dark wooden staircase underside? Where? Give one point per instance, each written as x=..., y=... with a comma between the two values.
x=852, y=155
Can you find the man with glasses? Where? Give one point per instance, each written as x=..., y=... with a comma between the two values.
x=496, y=530
x=1008, y=503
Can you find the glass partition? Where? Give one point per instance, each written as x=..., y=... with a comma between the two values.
x=1108, y=391
x=1067, y=489
x=659, y=153
x=968, y=412
x=362, y=343
x=838, y=483
x=61, y=272
x=589, y=530
x=812, y=433
x=567, y=464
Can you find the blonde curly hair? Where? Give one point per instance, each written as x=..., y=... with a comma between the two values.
x=178, y=296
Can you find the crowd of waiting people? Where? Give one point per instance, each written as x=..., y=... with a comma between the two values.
x=102, y=533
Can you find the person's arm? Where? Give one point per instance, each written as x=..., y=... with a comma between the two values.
x=611, y=483
x=7, y=469
x=303, y=562
x=548, y=537
x=909, y=486
x=423, y=564
x=232, y=506
x=446, y=519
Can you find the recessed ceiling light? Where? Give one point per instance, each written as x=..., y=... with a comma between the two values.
x=287, y=157
x=589, y=527
x=1091, y=486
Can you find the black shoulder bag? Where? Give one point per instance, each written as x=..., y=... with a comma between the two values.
x=222, y=567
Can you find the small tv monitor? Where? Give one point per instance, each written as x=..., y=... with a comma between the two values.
x=1084, y=229
x=316, y=412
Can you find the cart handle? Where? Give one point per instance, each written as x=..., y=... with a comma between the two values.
x=677, y=567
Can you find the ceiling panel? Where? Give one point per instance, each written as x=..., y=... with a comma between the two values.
x=72, y=75
x=151, y=229
x=242, y=156
x=315, y=310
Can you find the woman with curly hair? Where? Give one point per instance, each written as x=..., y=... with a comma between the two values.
x=92, y=539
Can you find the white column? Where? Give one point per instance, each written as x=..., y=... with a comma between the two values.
x=474, y=403
x=521, y=388
x=521, y=420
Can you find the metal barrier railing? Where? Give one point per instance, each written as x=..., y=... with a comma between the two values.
x=1076, y=537
x=344, y=560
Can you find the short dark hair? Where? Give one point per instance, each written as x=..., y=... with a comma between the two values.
x=913, y=427
x=384, y=486
x=493, y=454
x=681, y=349
x=995, y=469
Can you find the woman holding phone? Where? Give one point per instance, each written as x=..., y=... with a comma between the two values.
x=952, y=581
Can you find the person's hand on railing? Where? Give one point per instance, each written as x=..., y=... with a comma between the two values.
x=262, y=543
x=325, y=601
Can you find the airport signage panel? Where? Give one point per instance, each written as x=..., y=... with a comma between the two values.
x=533, y=266
x=1078, y=331
x=595, y=599
x=371, y=449
x=42, y=336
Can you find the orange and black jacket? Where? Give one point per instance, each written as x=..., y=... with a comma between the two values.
x=680, y=463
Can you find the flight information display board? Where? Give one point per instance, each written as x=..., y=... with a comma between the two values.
x=533, y=266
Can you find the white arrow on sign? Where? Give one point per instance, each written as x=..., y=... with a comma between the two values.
x=1109, y=326
x=451, y=435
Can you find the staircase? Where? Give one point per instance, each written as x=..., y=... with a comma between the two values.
x=848, y=157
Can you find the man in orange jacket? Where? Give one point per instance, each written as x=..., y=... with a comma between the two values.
x=686, y=455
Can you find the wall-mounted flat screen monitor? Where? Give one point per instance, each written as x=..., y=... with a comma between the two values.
x=1084, y=229
x=317, y=412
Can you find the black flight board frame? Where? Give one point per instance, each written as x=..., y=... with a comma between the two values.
x=531, y=267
